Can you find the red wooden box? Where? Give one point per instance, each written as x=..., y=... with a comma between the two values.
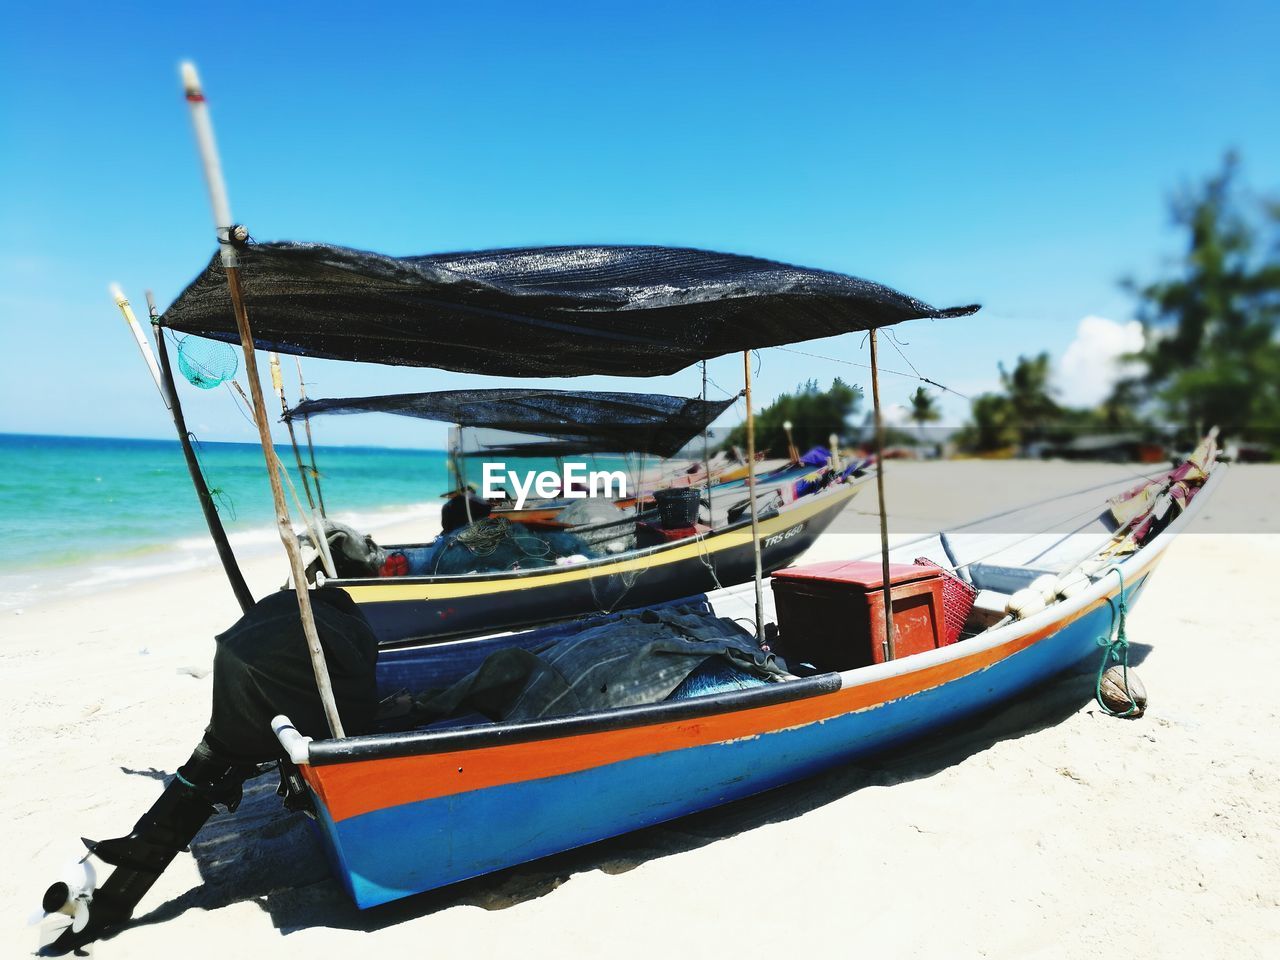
x=832, y=614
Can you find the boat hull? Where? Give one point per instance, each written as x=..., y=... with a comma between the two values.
x=398, y=825
x=408, y=611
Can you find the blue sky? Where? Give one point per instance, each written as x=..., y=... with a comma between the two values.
x=1016, y=155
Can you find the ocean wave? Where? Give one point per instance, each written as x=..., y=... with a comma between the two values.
x=185, y=554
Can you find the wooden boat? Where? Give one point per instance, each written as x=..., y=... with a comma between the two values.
x=407, y=609
x=411, y=601
x=407, y=812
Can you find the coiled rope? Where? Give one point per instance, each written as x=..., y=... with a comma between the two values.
x=483, y=536
x=1115, y=647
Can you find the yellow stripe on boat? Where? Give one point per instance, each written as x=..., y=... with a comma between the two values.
x=390, y=590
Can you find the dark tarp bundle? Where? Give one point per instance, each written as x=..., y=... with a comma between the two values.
x=635, y=659
x=262, y=668
x=495, y=543
x=537, y=312
x=596, y=421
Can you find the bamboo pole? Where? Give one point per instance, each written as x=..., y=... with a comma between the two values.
x=225, y=228
x=889, y=648
x=162, y=373
x=312, y=520
x=706, y=453
x=277, y=383
x=751, y=487
x=311, y=447
x=122, y=302
x=312, y=516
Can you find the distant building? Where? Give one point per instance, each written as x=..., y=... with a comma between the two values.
x=1111, y=447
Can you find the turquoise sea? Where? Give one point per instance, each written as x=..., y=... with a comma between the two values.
x=102, y=504
x=84, y=512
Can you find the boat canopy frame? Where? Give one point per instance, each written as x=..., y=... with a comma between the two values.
x=588, y=421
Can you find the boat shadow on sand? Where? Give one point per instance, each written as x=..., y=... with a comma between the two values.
x=273, y=858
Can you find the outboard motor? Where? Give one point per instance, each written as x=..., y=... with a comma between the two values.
x=261, y=669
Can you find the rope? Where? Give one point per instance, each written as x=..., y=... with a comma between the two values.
x=221, y=499
x=483, y=536
x=1115, y=646
x=867, y=366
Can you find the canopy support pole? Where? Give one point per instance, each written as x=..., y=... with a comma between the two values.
x=888, y=649
x=162, y=373
x=751, y=495
x=277, y=383
x=311, y=447
x=225, y=228
x=706, y=453
x=455, y=457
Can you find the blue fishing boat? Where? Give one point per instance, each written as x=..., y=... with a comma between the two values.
x=411, y=811
x=424, y=592
x=403, y=811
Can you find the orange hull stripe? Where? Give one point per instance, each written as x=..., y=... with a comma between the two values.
x=362, y=786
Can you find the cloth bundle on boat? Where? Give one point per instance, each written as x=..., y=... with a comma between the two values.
x=262, y=668
x=812, y=482
x=632, y=311
x=594, y=420
x=1152, y=505
x=637, y=658
x=816, y=457
x=355, y=554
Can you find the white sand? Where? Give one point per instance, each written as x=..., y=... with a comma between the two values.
x=1046, y=830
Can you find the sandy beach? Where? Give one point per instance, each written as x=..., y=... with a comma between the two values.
x=1045, y=829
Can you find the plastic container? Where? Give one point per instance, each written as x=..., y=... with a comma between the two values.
x=957, y=600
x=677, y=507
x=832, y=614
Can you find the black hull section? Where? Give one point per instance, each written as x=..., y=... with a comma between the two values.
x=553, y=596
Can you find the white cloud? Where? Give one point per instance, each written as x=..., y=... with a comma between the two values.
x=1091, y=364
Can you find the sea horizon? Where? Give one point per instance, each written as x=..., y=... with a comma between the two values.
x=86, y=511
x=14, y=434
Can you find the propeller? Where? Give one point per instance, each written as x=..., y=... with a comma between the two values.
x=70, y=894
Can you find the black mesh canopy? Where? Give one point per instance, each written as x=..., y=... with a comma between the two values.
x=534, y=448
x=536, y=312
x=593, y=420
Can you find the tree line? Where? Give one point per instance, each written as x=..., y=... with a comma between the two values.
x=1211, y=340
x=1210, y=353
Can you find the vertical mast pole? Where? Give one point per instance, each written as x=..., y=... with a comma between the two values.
x=224, y=227
x=751, y=488
x=311, y=447
x=163, y=376
x=888, y=650
x=706, y=453
x=277, y=382
x=122, y=302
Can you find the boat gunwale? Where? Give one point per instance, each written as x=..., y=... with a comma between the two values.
x=379, y=746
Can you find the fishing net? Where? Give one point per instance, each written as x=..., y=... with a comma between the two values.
x=540, y=312
x=494, y=543
x=206, y=363
x=575, y=421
